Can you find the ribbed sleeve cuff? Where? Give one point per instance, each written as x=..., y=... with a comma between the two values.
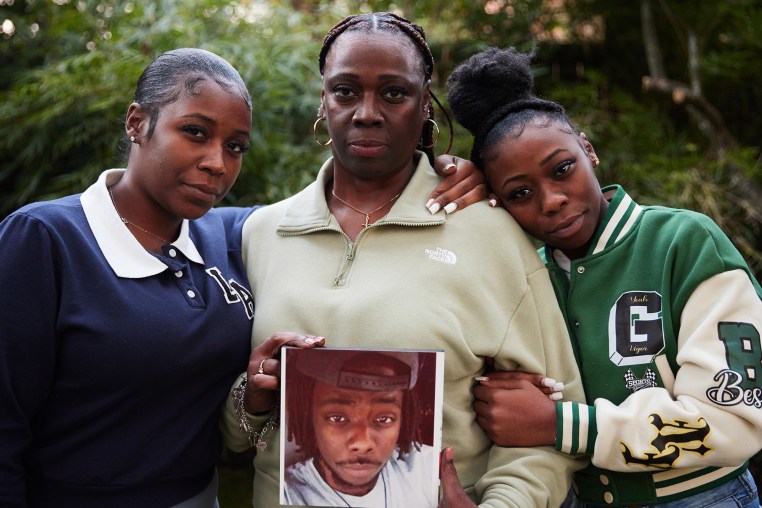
x=575, y=427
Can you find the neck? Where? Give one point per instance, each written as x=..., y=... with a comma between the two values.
x=150, y=232
x=358, y=202
x=367, y=194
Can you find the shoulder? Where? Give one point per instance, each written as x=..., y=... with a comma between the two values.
x=227, y=222
x=55, y=208
x=690, y=242
x=52, y=215
x=496, y=231
x=685, y=227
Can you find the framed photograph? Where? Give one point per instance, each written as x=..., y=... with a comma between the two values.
x=360, y=427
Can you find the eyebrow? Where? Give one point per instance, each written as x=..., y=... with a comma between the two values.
x=553, y=154
x=214, y=123
x=202, y=117
x=385, y=77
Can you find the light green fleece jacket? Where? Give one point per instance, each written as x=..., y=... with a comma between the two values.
x=470, y=284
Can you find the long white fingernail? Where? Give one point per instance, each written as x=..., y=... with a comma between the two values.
x=429, y=202
x=558, y=387
x=549, y=382
x=556, y=396
x=493, y=202
x=451, y=207
x=450, y=165
x=434, y=208
x=481, y=378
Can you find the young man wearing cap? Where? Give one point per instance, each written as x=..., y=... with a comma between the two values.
x=354, y=417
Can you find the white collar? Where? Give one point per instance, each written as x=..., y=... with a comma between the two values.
x=123, y=252
x=563, y=261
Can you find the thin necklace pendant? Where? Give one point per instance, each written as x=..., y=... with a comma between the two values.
x=128, y=223
x=366, y=214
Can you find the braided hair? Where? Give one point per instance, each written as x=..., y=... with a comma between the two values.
x=386, y=21
x=491, y=95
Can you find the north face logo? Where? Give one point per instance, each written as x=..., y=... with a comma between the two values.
x=443, y=255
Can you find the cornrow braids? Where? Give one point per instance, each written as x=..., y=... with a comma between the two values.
x=377, y=21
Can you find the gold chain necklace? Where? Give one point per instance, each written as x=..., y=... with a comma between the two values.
x=130, y=223
x=366, y=214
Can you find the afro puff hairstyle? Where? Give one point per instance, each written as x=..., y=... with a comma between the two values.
x=490, y=94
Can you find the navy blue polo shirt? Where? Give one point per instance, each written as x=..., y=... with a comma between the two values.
x=115, y=362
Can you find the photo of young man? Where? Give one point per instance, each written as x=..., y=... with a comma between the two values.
x=362, y=426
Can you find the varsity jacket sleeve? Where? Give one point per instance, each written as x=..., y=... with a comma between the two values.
x=712, y=414
x=28, y=311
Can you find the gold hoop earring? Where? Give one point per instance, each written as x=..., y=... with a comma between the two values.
x=314, y=132
x=596, y=161
x=436, y=138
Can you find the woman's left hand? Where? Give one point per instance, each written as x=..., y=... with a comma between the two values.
x=453, y=495
x=463, y=185
x=514, y=409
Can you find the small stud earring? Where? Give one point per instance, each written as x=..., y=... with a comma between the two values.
x=132, y=138
x=596, y=161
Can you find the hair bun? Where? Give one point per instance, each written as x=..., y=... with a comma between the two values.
x=487, y=81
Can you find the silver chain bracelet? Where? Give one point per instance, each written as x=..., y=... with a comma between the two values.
x=255, y=438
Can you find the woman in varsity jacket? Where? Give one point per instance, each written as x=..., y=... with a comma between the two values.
x=663, y=312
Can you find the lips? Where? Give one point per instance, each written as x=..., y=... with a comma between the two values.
x=367, y=147
x=568, y=227
x=204, y=192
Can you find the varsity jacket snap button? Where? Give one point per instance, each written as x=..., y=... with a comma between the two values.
x=172, y=252
x=608, y=497
x=191, y=294
x=580, y=269
x=179, y=274
x=604, y=479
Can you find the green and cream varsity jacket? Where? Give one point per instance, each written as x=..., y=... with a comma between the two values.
x=665, y=319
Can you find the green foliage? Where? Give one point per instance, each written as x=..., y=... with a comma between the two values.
x=63, y=114
x=70, y=69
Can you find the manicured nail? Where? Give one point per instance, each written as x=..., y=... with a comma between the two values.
x=434, y=208
x=448, y=454
x=309, y=340
x=558, y=387
x=493, y=202
x=481, y=378
x=450, y=165
x=451, y=207
x=549, y=382
x=556, y=396
x=429, y=203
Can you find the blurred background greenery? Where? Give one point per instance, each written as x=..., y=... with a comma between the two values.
x=667, y=90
